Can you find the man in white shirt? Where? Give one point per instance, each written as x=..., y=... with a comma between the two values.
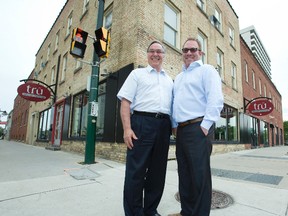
x=197, y=104
x=147, y=94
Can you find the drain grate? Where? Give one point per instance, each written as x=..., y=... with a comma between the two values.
x=219, y=199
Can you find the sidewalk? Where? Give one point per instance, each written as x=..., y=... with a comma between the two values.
x=35, y=181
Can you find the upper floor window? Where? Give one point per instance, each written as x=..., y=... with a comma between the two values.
x=48, y=52
x=216, y=19
x=69, y=25
x=265, y=91
x=253, y=80
x=85, y=6
x=219, y=57
x=246, y=72
x=57, y=40
x=233, y=76
x=64, y=68
x=201, y=4
x=260, y=87
x=171, y=25
x=203, y=40
x=79, y=65
x=108, y=19
x=231, y=35
x=52, y=81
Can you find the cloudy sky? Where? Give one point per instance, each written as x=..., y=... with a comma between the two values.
x=269, y=21
x=27, y=22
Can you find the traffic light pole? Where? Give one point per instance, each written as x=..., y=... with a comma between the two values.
x=93, y=99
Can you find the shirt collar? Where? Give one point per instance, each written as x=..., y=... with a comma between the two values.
x=150, y=69
x=192, y=65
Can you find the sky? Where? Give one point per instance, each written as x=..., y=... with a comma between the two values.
x=27, y=22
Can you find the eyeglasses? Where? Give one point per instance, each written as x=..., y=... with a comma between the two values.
x=192, y=50
x=158, y=51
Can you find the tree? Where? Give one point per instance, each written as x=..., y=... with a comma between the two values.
x=1, y=132
x=285, y=124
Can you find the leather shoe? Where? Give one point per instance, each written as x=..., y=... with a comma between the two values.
x=177, y=214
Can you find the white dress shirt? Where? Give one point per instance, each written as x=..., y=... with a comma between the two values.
x=197, y=92
x=148, y=90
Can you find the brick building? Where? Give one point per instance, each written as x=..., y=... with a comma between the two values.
x=264, y=130
x=62, y=120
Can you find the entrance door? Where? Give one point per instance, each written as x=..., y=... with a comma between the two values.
x=58, y=124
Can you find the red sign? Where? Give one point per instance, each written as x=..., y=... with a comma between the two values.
x=260, y=107
x=33, y=92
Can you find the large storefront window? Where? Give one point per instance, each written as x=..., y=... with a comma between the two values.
x=79, y=119
x=44, y=130
x=101, y=110
x=226, y=127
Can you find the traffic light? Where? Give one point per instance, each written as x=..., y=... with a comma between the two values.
x=102, y=43
x=78, y=43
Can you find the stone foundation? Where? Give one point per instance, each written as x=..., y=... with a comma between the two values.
x=117, y=152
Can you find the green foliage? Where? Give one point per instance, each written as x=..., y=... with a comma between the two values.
x=285, y=126
x=1, y=132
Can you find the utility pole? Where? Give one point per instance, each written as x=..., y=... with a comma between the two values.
x=93, y=98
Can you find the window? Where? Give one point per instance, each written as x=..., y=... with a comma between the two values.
x=85, y=6
x=246, y=72
x=45, y=126
x=69, y=25
x=80, y=115
x=48, y=51
x=108, y=19
x=253, y=80
x=220, y=63
x=78, y=65
x=260, y=87
x=203, y=42
x=265, y=91
x=57, y=41
x=226, y=127
x=41, y=63
x=216, y=19
x=233, y=76
x=52, y=81
x=171, y=26
x=64, y=68
x=231, y=36
x=201, y=4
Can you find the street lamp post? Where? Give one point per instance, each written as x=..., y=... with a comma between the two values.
x=93, y=99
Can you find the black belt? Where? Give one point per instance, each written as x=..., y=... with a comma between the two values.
x=191, y=121
x=154, y=115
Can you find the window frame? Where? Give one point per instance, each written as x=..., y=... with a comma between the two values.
x=233, y=76
x=175, y=30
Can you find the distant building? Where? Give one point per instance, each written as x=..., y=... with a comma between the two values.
x=252, y=39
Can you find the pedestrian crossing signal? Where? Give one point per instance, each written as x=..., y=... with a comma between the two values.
x=102, y=43
x=78, y=43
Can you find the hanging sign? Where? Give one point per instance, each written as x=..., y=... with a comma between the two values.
x=33, y=92
x=260, y=107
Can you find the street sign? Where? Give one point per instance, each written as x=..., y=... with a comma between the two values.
x=260, y=107
x=33, y=92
